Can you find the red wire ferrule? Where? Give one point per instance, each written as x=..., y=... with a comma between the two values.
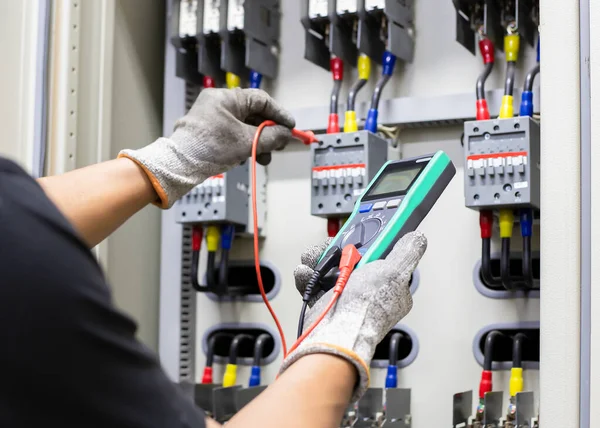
x=333, y=227
x=486, y=221
x=196, y=238
x=482, y=110
x=333, y=126
x=337, y=68
x=208, y=82
x=350, y=257
x=486, y=47
x=485, y=385
x=207, y=376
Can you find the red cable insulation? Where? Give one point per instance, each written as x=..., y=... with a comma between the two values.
x=307, y=138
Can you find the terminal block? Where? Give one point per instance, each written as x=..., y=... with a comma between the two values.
x=502, y=163
x=225, y=198
x=250, y=36
x=342, y=167
x=184, y=36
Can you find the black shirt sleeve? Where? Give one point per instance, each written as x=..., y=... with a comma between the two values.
x=68, y=357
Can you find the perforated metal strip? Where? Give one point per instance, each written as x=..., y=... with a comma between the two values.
x=187, y=334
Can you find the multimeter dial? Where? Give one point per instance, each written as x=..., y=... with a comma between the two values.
x=360, y=234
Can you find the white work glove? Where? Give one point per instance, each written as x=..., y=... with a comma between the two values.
x=375, y=299
x=215, y=136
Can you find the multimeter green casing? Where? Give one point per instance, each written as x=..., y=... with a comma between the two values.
x=395, y=202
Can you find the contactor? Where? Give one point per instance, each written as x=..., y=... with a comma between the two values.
x=225, y=198
x=342, y=167
x=502, y=163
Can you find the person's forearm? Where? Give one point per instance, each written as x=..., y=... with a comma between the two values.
x=314, y=392
x=99, y=198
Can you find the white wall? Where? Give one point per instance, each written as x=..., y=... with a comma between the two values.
x=18, y=50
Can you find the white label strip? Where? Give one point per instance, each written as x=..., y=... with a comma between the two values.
x=211, y=16
x=187, y=18
x=521, y=185
x=317, y=8
x=346, y=6
x=235, y=15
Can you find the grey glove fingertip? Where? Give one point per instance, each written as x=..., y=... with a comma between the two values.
x=260, y=103
x=407, y=252
x=311, y=255
x=264, y=158
x=302, y=275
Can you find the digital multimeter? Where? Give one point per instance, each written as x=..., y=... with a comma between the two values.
x=394, y=203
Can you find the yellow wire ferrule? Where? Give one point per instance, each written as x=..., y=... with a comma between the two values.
x=213, y=236
x=350, y=123
x=516, y=381
x=511, y=47
x=506, y=108
x=506, y=223
x=230, y=376
x=232, y=80
x=364, y=67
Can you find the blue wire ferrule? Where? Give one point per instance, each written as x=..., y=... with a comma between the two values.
x=526, y=222
x=526, y=104
x=389, y=62
x=391, y=380
x=227, y=232
x=371, y=122
x=254, y=376
x=255, y=79
x=538, y=49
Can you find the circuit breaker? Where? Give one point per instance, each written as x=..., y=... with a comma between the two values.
x=342, y=167
x=184, y=36
x=502, y=163
x=225, y=198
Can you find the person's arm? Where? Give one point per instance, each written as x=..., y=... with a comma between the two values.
x=98, y=199
x=215, y=136
x=314, y=392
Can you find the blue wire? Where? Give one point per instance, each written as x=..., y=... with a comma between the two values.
x=391, y=380
x=389, y=62
x=227, y=232
x=255, y=79
x=254, y=376
x=526, y=217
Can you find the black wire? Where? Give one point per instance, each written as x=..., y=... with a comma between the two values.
x=358, y=85
x=235, y=344
x=224, y=272
x=210, y=346
x=378, y=90
x=488, y=349
x=301, y=319
x=259, y=347
x=510, y=78
x=486, y=264
x=517, y=350
x=526, y=262
x=505, y=265
x=530, y=78
x=480, y=87
x=210, y=270
x=335, y=94
x=395, y=339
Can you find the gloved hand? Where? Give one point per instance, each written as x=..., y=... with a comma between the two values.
x=375, y=299
x=215, y=136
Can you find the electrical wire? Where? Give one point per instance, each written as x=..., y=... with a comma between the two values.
x=526, y=217
x=207, y=376
x=255, y=79
x=337, y=71
x=506, y=227
x=511, y=51
x=335, y=93
x=509, y=83
x=364, y=70
x=480, y=86
x=486, y=222
x=486, y=47
x=354, y=89
x=516, y=372
x=350, y=257
x=227, y=234
x=308, y=138
x=259, y=347
x=485, y=384
x=196, y=245
x=389, y=62
x=529, y=79
x=391, y=379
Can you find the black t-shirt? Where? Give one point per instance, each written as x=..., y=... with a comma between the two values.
x=68, y=357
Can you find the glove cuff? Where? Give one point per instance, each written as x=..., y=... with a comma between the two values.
x=327, y=348
x=163, y=199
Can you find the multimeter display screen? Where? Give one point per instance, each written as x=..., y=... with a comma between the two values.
x=395, y=181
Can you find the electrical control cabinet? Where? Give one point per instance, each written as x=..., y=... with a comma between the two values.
x=502, y=163
x=225, y=198
x=342, y=167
